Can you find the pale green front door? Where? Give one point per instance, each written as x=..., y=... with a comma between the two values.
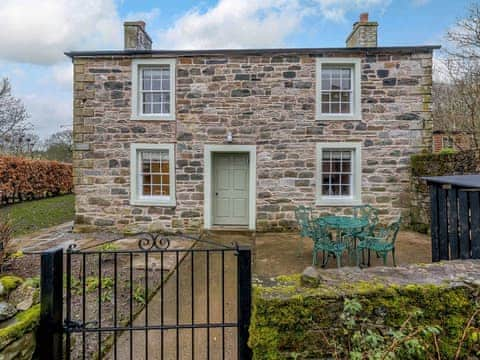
x=230, y=188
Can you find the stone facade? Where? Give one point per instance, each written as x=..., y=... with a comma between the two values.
x=267, y=100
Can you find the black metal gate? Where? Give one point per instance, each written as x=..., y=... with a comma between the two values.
x=170, y=297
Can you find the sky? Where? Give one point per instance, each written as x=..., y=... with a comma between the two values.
x=35, y=34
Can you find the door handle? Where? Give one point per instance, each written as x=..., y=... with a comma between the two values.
x=216, y=194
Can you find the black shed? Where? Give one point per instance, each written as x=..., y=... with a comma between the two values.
x=455, y=225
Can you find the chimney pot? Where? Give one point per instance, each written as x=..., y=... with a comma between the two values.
x=364, y=17
x=135, y=36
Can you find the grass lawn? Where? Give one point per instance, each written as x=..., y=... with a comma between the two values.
x=31, y=216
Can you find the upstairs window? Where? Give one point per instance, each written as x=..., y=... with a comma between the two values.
x=338, y=173
x=153, y=89
x=338, y=89
x=152, y=174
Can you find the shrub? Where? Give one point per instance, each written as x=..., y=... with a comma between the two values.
x=26, y=179
x=446, y=151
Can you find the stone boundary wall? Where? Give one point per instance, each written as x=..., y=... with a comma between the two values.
x=302, y=317
x=19, y=317
x=464, y=162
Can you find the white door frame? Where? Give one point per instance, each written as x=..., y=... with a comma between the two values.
x=252, y=181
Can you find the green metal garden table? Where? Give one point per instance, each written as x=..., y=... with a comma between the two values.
x=345, y=225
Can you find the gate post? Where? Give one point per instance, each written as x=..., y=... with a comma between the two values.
x=244, y=304
x=50, y=333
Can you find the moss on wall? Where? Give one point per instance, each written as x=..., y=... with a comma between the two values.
x=289, y=319
x=24, y=322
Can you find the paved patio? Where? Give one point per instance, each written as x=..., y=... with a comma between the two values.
x=277, y=253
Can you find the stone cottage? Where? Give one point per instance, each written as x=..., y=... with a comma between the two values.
x=238, y=138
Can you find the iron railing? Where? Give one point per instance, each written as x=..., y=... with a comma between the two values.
x=123, y=304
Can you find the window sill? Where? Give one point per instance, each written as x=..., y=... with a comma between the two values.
x=338, y=118
x=338, y=202
x=139, y=202
x=152, y=118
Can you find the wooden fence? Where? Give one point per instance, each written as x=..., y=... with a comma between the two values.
x=455, y=223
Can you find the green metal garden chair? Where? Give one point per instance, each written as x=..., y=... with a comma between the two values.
x=382, y=243
x=303, y=215
x=367, y=212
x=322, y=241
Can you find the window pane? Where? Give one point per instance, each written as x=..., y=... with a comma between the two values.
x=146, y=190
x=146, y=84
x=156, y=84
x=165, y=190
x=147, y=179
x=336, y=84
x=157, y=108
x=165, y=179
x=156, y=190
x=346, y=84
x=326, y=97
x=335, y=108
x=345, y=179
x=345, y=108
x=335, y=96
x=345, y=96
x=166, y=84
x=147, y=97
x=345, y=190
x=325, y=166
x=325, y=108
x=147, y=108
x=165, y=108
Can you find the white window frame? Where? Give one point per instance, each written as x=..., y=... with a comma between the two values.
x=355, y=64
x=137, y=66
x=356, y=197
x=135, y=197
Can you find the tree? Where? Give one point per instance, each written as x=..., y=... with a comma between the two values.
x=14, y=117
x=456, y=101
x=59, y=146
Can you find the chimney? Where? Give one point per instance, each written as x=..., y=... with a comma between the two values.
x=364, y=33
x=135, y=36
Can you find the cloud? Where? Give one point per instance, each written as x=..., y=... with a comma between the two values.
x=147, y=16
x=38, y=32
x=49, y=112
x=336, y=10
x=62, y=74
x=235, y=24
x=253, y=23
